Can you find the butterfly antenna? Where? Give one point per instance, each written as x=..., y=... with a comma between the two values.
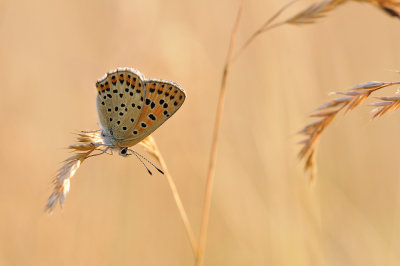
x=136, y=154
x=144, y=158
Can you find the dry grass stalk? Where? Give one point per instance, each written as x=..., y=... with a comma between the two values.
x=318, y=10
x=307, y=15
x=213, y=153
x=314, y=12
x=151, y=147
x=386, y=104
x=264, y=27
x=87, y=143
x=230, y=58
x=391, y=7
x=327, y=112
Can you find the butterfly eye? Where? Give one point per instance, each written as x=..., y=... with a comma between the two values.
x=123, y=152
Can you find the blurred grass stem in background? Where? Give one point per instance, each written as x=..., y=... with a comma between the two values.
x=214, y=145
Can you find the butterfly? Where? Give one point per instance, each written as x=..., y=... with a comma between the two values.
x=130, y=108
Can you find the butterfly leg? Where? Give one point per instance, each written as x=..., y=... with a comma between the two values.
x=91, y=131
x=108, y=148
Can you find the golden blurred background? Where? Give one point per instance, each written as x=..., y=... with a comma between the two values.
x=264, y=212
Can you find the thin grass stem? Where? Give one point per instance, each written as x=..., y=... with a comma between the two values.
x=265, y=27
x=156, y=152
x=213, y=153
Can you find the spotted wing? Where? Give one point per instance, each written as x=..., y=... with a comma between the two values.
x=163, y=99
x=120, y=102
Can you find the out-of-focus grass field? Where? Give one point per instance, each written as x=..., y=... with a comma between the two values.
x=263, y=211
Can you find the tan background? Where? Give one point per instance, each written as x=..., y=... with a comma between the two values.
x=263, y=211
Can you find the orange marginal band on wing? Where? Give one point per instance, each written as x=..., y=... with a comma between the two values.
x=161, y=102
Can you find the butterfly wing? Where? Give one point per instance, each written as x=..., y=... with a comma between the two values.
x=120, y=102
x=163, y=99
